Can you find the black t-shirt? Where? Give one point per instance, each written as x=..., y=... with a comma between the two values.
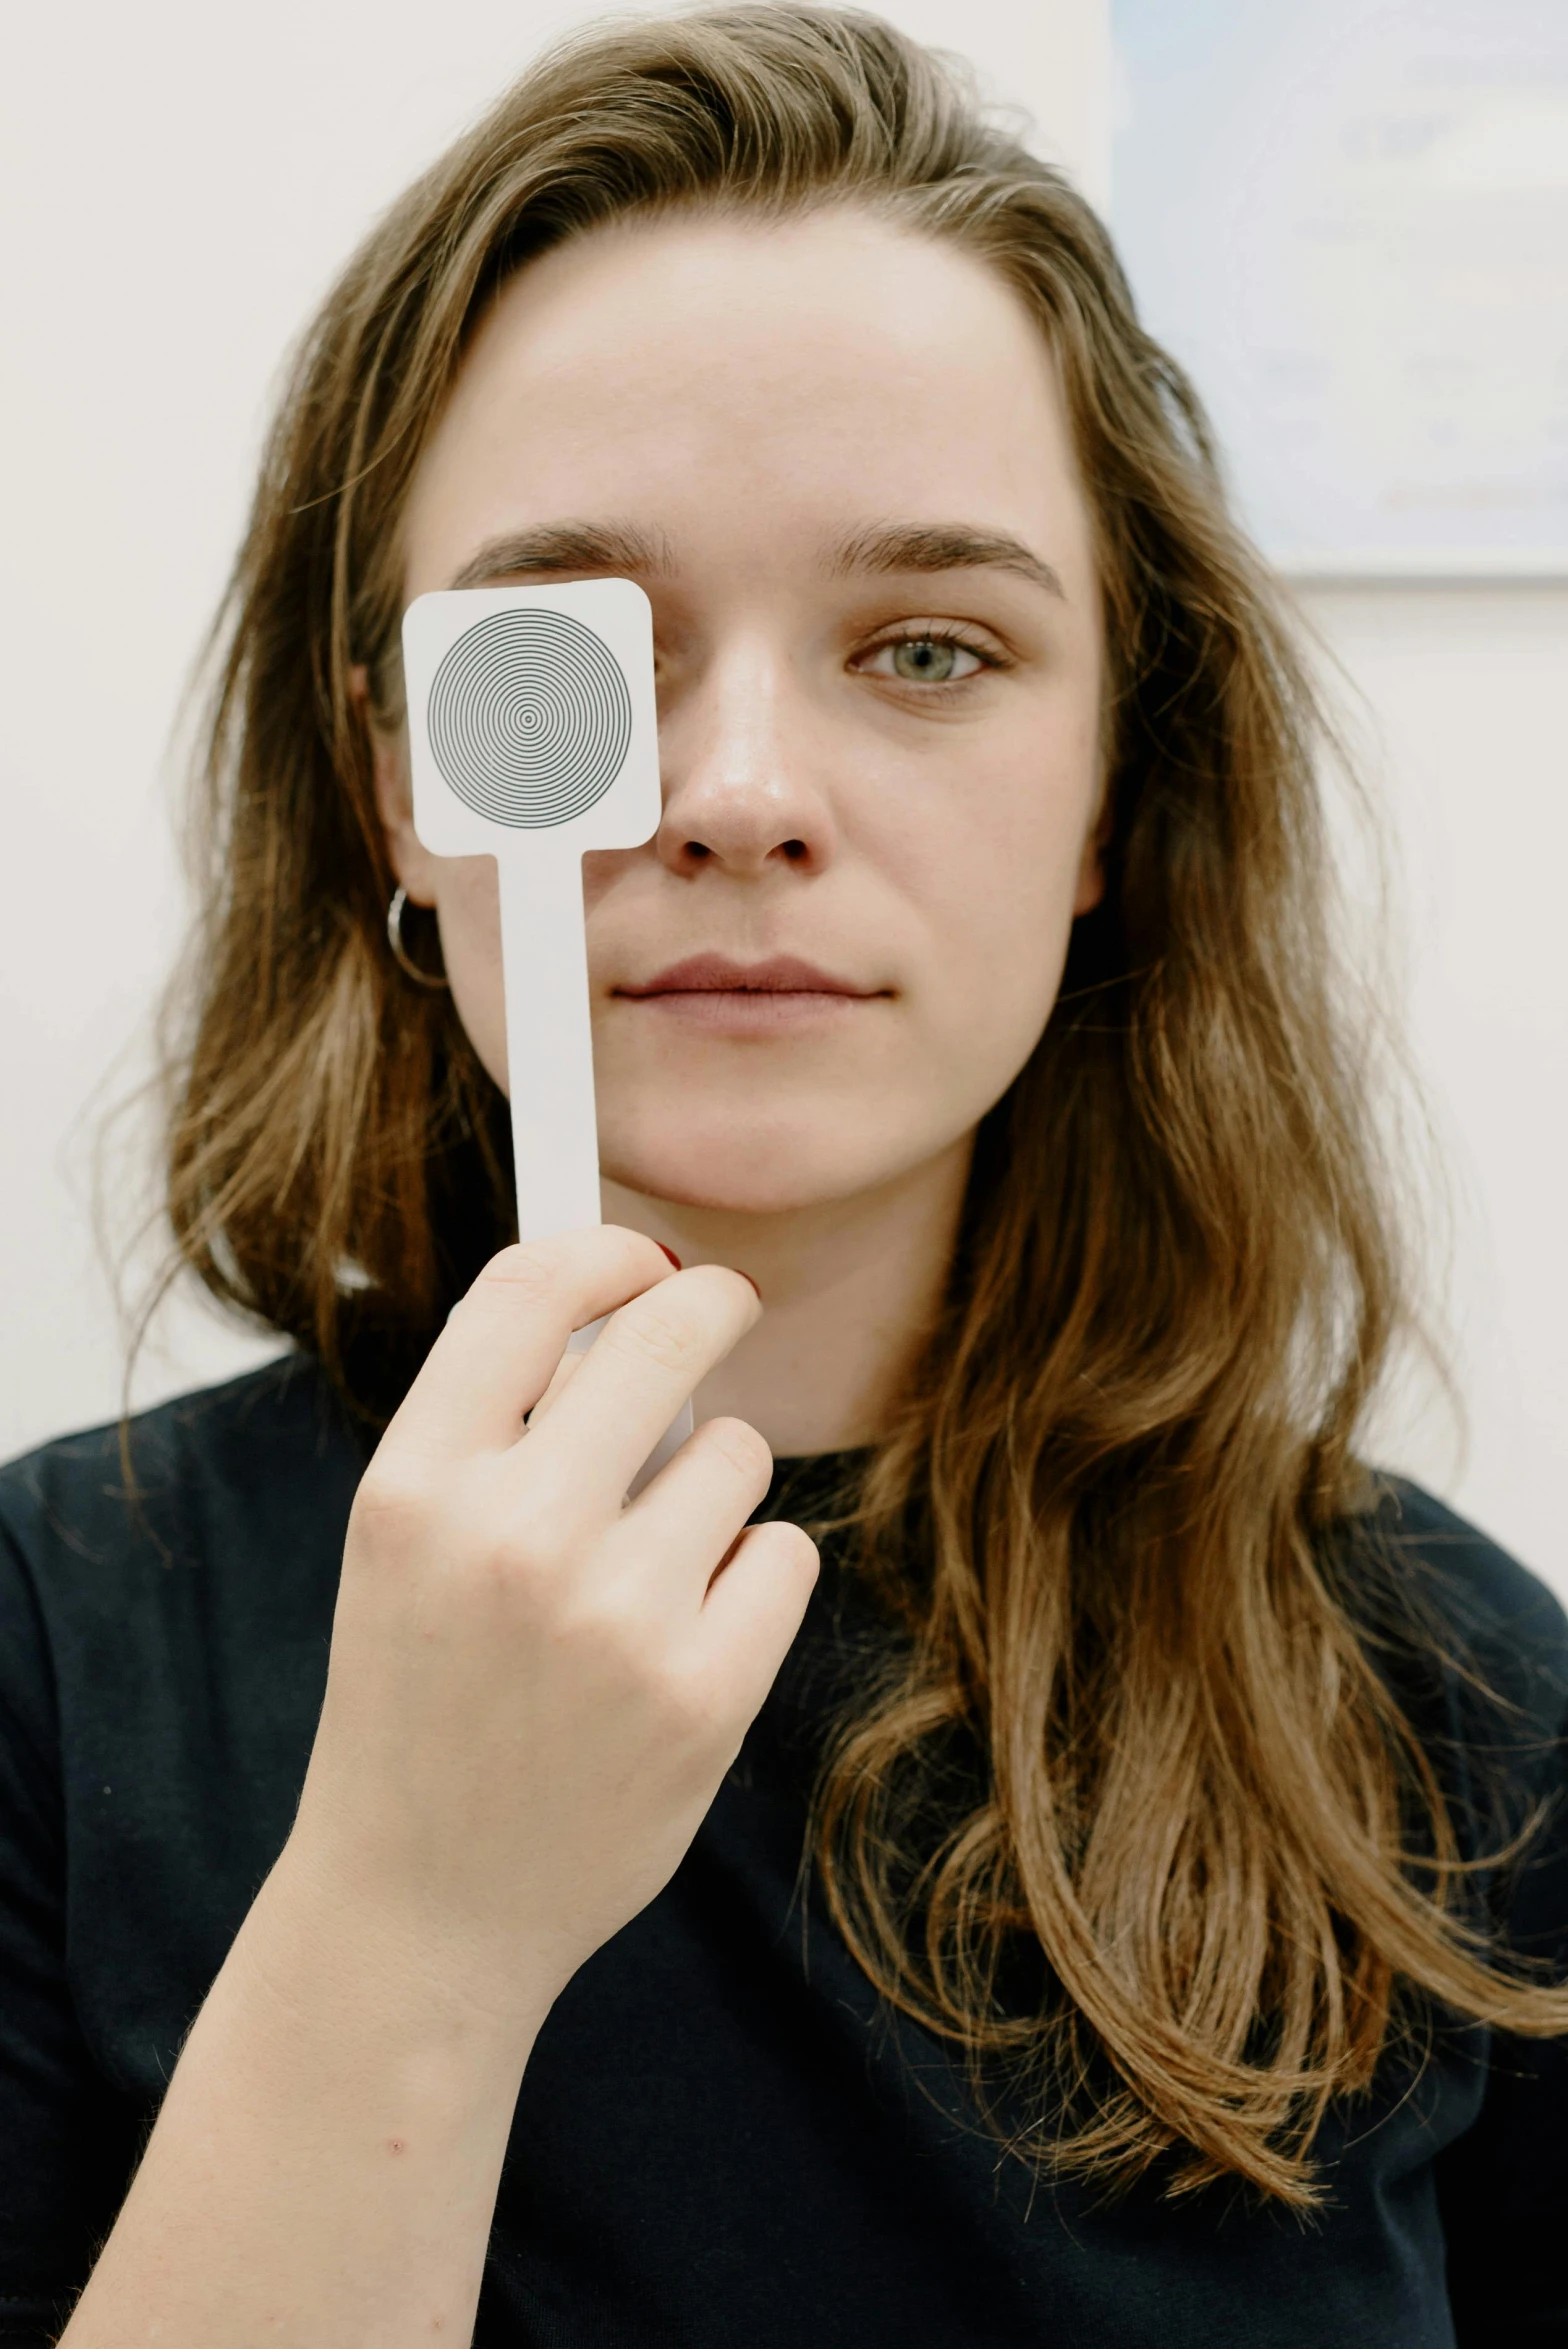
x=721, y=2142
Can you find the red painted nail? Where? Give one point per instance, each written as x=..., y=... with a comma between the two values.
x=670, y=1253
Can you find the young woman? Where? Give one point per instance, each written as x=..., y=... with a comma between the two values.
x=1112, y=1900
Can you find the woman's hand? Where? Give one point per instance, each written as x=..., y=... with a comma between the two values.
x=535, y=1688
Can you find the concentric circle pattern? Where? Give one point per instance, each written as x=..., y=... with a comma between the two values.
x=529, y=717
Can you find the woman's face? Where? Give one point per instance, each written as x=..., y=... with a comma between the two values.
x=836, y=457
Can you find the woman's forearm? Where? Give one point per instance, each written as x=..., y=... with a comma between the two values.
x=324, y=2169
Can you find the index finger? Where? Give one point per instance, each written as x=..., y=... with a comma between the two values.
x=641, y=1368
x=505, y=1337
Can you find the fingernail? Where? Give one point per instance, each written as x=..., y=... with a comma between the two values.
x=670, y=1253
x=745, y=1276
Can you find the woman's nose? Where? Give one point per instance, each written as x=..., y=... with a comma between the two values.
x=743, y=787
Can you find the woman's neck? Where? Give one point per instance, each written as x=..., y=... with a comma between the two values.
x=848, y=1286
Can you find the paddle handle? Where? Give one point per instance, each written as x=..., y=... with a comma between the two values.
x=549, y=1040
x=549, y=1061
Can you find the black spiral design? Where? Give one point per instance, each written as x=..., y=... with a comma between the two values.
x=529, y=717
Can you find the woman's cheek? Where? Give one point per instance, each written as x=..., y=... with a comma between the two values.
x=468, y=907
x=998, y=951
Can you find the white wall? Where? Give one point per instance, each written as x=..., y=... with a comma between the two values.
x=179, y=182
x=1458, y=696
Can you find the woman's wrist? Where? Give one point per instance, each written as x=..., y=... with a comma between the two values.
x=322, y=1945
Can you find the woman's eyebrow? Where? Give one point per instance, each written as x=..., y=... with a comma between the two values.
x=943, y=546
x=622, y=549
x=566, y=546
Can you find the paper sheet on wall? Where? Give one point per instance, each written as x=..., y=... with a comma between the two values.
x=1349, y=220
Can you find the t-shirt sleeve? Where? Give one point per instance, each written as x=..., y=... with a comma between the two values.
x=1503, y=2185
x=66, y=2147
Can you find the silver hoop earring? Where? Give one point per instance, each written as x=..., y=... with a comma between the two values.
x=400, y=953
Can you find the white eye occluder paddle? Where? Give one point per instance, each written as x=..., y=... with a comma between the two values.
x=533, y=736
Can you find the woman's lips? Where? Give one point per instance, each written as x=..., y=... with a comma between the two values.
x=748, y=998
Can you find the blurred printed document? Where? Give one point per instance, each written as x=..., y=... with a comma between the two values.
x=1349, y=220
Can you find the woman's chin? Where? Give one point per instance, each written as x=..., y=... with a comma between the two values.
x=779, y=1174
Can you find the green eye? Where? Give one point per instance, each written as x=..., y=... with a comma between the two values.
x=925, y=662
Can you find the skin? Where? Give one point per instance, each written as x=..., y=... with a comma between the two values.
x=535, y=1688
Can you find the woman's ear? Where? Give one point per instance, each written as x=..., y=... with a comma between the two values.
x=410, y=859
x=1091, y=866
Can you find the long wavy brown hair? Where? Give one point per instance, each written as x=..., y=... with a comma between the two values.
x=1110, y=1508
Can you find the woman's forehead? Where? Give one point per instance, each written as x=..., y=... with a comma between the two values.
x=807, y=381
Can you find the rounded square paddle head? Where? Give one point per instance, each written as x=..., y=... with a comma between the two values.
x=531, y=718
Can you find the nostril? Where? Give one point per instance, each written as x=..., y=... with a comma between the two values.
x=697, y=850
x=794, y=850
